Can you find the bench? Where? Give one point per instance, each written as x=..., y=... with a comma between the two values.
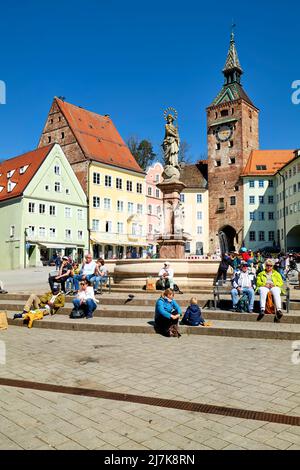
x=221, y=288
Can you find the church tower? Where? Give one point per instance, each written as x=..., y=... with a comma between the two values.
x=232, y=133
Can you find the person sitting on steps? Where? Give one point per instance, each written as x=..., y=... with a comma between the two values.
x=269, y=280
x=243, y=282
x=167, y=314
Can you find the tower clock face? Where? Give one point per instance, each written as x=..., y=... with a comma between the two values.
x=224, y=133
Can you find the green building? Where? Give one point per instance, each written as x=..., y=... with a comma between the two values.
x=43, y=209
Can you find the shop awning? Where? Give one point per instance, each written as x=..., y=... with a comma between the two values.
x=58, y=246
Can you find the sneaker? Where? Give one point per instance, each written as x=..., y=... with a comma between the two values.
x=17, y=315
x=261, y=315
x=278, y=315
x=250, y=311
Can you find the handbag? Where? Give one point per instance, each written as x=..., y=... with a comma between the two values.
x=77, y=313
x=269, y=308
x=3, y=320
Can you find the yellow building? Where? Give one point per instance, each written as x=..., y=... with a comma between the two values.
x=109, y=174
x=117, y=211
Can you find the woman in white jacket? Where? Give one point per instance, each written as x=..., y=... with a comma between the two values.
x=86, y=298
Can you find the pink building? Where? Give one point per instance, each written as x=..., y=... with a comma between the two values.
x=153, y=205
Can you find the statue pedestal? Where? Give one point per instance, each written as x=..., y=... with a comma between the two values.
x=171, y=243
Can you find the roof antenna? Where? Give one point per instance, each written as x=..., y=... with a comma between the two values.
x=62, y=98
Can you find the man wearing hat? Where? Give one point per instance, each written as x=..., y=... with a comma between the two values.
x=63, y=274
x=243, y=282
x=166, y=275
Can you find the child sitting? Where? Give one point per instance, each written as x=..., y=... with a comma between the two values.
x=193, y=316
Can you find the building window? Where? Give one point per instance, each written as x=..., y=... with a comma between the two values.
x=96, y=178
x=49, y=139
x=150, y=228
x=107, y=204
x=261, y=216
x=261, y=183
x=232, y=160
x=119, y=183
x=67, y=191
x=271, y=236
x=108, y=226
x=224, y=112
x=42, y=208
x=199, y=215
x=52, y=210
x=31, y=207
x=251, y=215
x=221, y=206
x=232, y=200
x=120, y=206
x=251, y=199
x=42, y=232
x=31, y=231
x=150, y=209
x=157, y=194
x=139, y=188
x=295, y=188
x=230, y=144
x=120, y=227
x=129, y=185
x=80, y=235
x=271, y=199
x=252, y=236
x=96, y=202
x=57, y=170
x=52, y=232
x=62, y=135
x=47, y=187
x=271, y=183
x=271, y=215
x=261, y=199
x=95, y=225
x=251, y=184
x=182, y=197
x=68, y=234
x=199, y=229
x=12, y=231
x=68, y=212
x=158, y=210
x=57, y=187
x=79, y=214
x=157, y=178
x=108, y=181
x=149, y=191
x=261, y=236
x=139, y=208
x=218, y=162
x=199, y=198
x=130, y=207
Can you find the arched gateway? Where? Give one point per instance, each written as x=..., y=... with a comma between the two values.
x=227, y=238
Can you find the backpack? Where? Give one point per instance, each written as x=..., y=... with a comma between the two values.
x=243, y=304
x=77, y=313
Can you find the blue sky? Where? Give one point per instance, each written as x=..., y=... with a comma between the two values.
x=133, y=59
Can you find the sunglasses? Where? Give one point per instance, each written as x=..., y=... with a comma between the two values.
x=269, y=266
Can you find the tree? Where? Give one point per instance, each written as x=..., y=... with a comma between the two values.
x=142, y=151
x=184, y=156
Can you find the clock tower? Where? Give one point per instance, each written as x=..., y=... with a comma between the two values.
x=232, y=133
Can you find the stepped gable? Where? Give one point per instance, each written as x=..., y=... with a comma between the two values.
x=17, y=172
x=98, y=137
x=267, y=162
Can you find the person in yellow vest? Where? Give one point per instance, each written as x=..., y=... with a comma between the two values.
x=269, y=280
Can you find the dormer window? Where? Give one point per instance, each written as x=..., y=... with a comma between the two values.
x=10, y=186
x=10, y=173
x=57, y=170
x=23, y=169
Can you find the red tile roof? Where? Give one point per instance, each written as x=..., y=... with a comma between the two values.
x=273, y=160
x=18, y=180
x=98, y=137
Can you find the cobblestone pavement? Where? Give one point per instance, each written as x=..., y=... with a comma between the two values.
x=241, y=373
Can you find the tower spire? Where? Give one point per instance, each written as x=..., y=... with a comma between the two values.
x=232, y=69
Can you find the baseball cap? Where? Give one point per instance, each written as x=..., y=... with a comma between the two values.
x=65, y=257
x=244, y=263
x=167, y=263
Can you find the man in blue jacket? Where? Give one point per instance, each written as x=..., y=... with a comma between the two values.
x=167, y=314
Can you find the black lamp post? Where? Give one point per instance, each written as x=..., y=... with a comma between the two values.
x=284, y=214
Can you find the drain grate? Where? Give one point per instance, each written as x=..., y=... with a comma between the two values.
x=152, y=401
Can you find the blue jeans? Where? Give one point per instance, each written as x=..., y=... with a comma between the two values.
x=245, y=290
x=98, y=280
x=89, y=306
x=78, y=277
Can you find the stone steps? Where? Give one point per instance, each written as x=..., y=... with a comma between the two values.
x=241, y=329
